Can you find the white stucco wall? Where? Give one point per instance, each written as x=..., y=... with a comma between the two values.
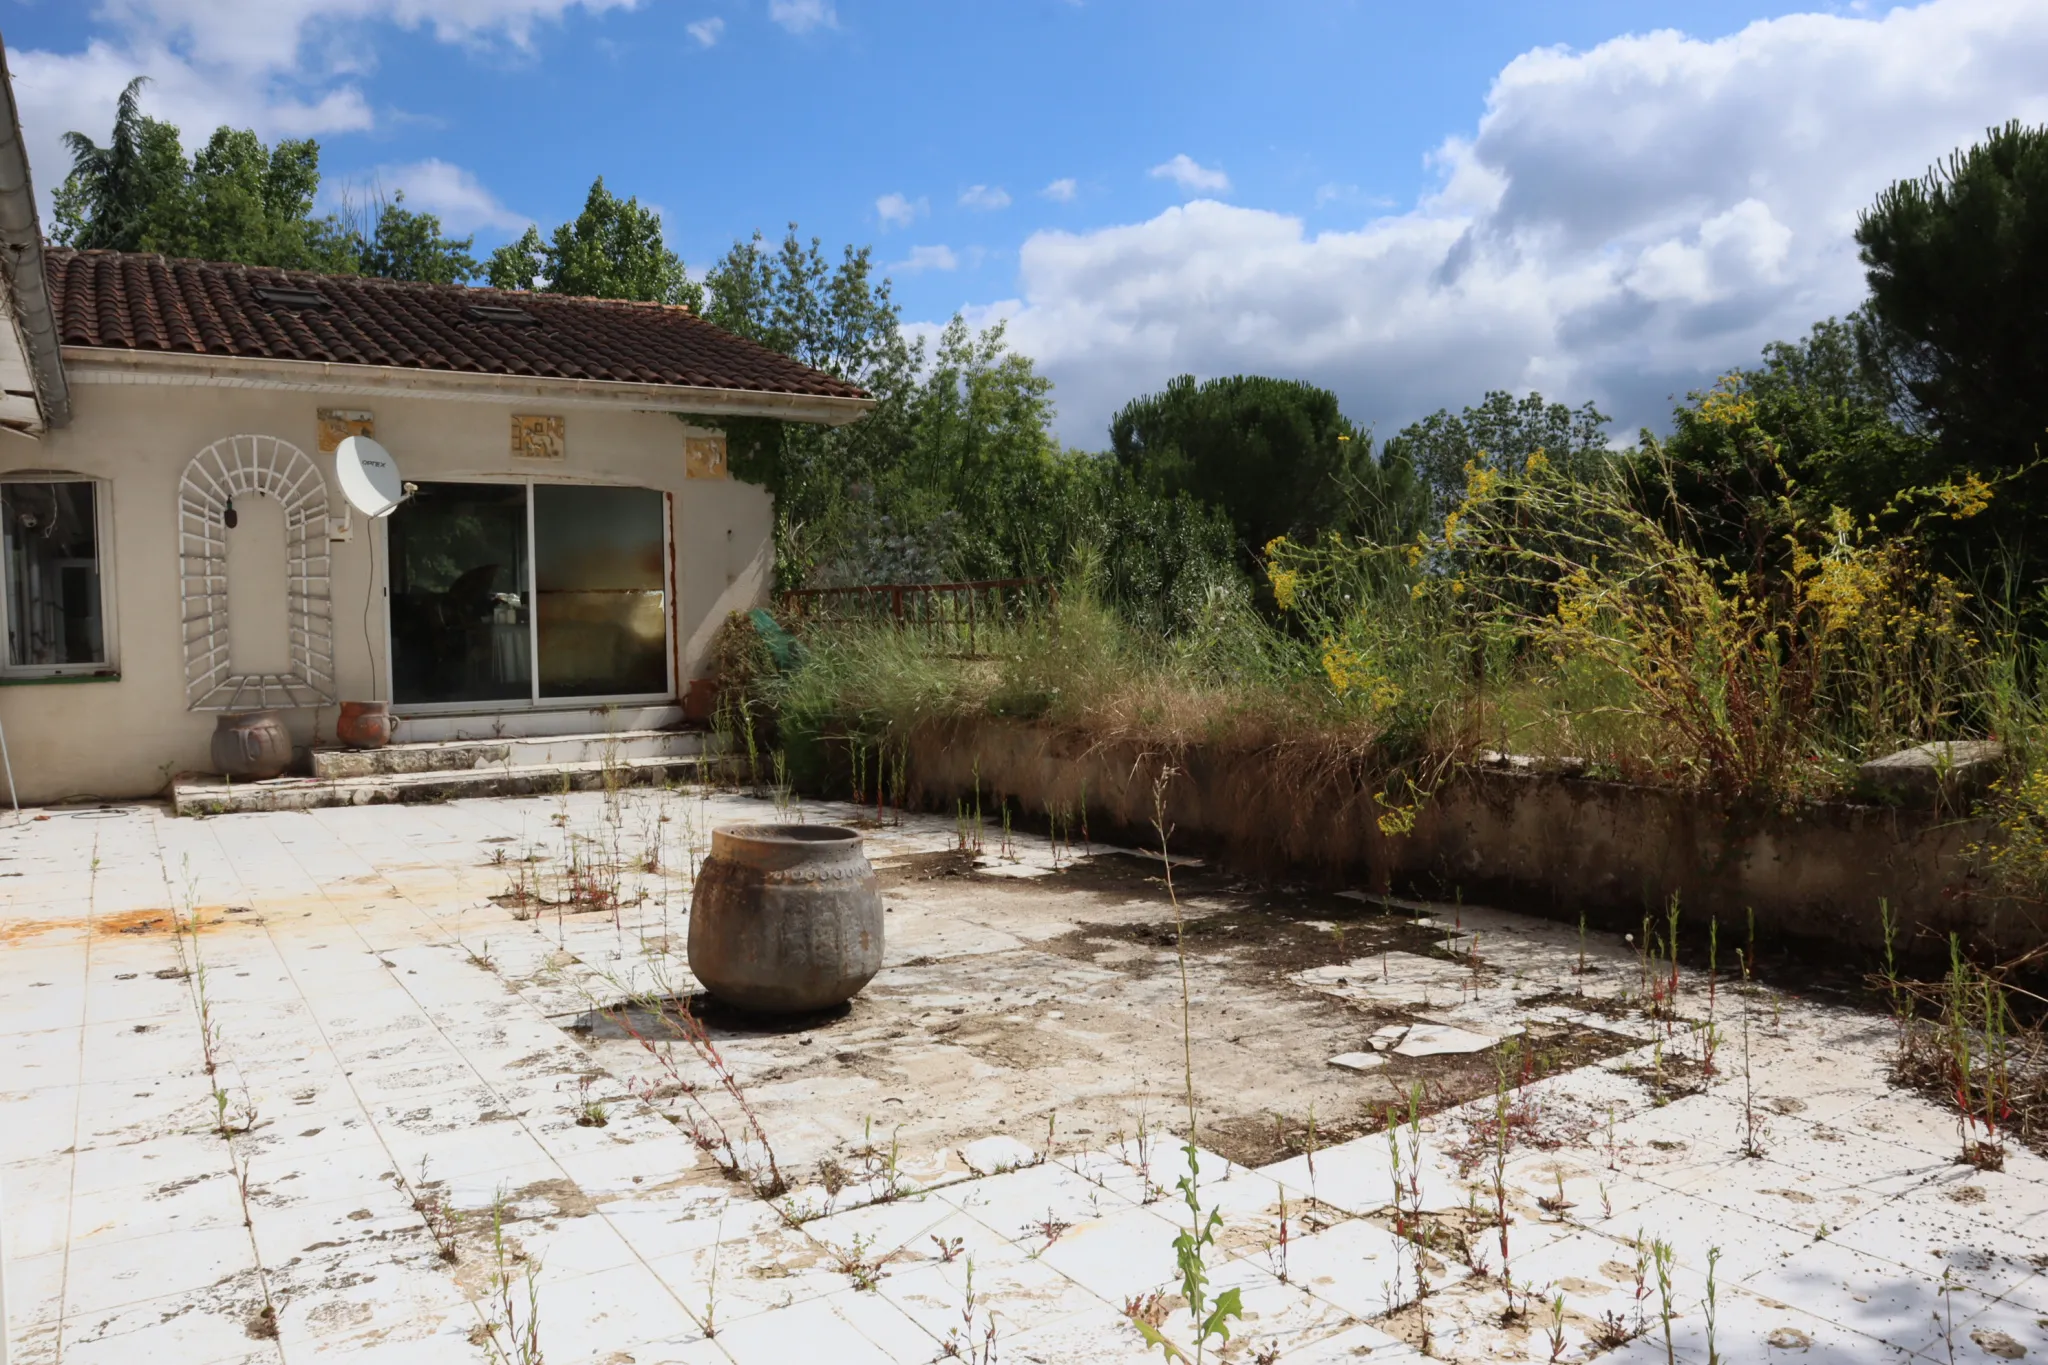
x=121, y=738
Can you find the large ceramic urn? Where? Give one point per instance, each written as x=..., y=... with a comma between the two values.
x=785, y=918
x=251, y=745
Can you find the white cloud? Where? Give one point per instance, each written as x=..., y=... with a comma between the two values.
x=450, y=192
x=897, y=211
x=1190, y=174
x=801, y=16
x=985, y=197
x=1624, y=223
x=283, y=67
x=262, y=36
x=1062, y=191
x=706, y=31
x=924, y=258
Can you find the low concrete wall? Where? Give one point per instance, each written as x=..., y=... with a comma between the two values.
x=1552, y=844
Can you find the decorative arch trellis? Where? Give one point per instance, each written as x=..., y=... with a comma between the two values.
x=254, y=466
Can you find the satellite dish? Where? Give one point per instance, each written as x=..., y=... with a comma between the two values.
x=368, y=476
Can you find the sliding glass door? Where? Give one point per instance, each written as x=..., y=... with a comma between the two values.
x=601, y=602
x=528, y=593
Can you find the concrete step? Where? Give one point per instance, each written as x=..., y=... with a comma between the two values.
x=414, y=727
x=207, y=794
x=544, y=751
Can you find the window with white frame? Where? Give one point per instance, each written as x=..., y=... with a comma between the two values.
x=53, y=532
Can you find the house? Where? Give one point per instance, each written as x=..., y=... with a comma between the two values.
x=173, y=544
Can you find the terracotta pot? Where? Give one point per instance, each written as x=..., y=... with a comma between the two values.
x=700, y=699
x=251, y=745
x=364, y=724
x=785, y=918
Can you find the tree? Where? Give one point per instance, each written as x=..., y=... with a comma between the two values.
x=834, y=487
x=1276, y=455
x=106, y=201
x=411, y=246
x=1501, y=433
x=1957, y=263
x=247, y=202
x=236, y=200
x=611, y=250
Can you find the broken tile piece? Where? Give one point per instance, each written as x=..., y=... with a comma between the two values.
x=1358, y=1061
x=990, y=1155
x=1437, y=1040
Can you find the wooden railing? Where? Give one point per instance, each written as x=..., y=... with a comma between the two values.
x=948, y=612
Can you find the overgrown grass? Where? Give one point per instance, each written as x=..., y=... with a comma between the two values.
x=1549, y=617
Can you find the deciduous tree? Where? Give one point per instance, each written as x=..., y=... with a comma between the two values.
x=613, y=249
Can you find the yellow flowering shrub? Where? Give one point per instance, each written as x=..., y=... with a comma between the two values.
x=1352, y=675
x=1726, y=404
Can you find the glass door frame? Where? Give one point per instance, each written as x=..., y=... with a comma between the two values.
x=533, y=701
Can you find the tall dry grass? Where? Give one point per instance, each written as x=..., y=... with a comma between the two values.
x=1549, y=616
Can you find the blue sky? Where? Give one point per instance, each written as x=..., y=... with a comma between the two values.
x=1413, y=203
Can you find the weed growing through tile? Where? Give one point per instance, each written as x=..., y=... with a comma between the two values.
x=232, y=1118
x=1947, y=1317
x=1661, y=1254
x=1612, y=1331
x=743, y=1151
x=1049, y=1228
x=230, y=1121
x=1148, y=1310
x=1554, y=1333
x=711, y=1283
x=971, y=1342
x=1976, y=1016
x=434, y=1211
x=1900, y=999
x=1502, y=1127
x=590, y=1113
x=884, y=1166
x=1975, y=1054
x=1713, y=1261
x=511, y=1332
x=858, y=1262
x=1556, y=1204
x=784, y=794
x=1211, y=1320
x=1641, y=1294
x=1752, y=1118
x=1712, y=1039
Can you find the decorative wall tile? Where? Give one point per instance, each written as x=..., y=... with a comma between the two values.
x=337, y=424
x=538, y=438
x=704, y=457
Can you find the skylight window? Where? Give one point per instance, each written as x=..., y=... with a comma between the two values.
x=284, y=297
x=491, y=312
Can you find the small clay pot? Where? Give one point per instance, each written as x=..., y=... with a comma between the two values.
x=364, y=724
x=251, y=745
x=785, y=919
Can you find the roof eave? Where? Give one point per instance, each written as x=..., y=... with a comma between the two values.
x=21, y=237
x=116, y=365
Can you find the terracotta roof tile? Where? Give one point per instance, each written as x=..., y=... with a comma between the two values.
x=138, y=302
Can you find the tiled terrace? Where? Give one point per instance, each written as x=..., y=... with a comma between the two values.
x=401, y=1047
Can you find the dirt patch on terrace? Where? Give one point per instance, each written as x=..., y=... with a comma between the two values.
x=912, y=868
x=1015, y=1003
